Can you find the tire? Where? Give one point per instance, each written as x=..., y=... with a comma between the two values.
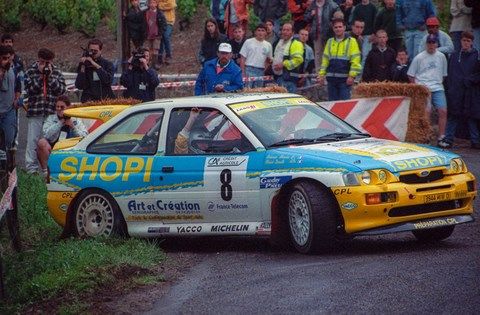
x=313, y=219
x=97, y=214
x=435, y=234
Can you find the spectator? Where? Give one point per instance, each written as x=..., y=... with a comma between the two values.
x=475, y=5
x=319, y=15
x=236, y=13
x=94, y=74
x=429, y=68
x=411, y=17
x=379, y=60
x=309, y=59
x=256, y=55
x=271, y=37
x=460, y=67
x=288, y=59
x=217, y=9
x=56, y=127
x=168, y=9
x=445, y=44
x=297, y=8
x=211, y=39
x=17, y=62
x=366, y=12
x=139, y=78
x=356, y=32
x=347, y=7
x=400, y=67
x=156, y=24
x=8, y=106
x=220, y=74
x=340, y=63
x=237, y=42
x=461, y=21
x=386, y=20
x=136, y=25
x=270, y=10
x=43, y=83
x=473, y=105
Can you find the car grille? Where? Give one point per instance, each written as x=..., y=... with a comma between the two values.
x=425, y=208
x=415, y=179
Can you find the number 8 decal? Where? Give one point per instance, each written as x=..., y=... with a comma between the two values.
x=226, y=188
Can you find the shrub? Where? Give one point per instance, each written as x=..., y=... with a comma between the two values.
x=10, y=15
x=36, y=10
x=59, y=14
x=186, y=8
x=86, y=16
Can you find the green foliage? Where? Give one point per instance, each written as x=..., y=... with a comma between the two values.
x=52, y=268
x=36, y=10
x=10, y=14
x=186, y=8
x=86, y=16
x=111, y=19
x=105, y=7
x=60, y=15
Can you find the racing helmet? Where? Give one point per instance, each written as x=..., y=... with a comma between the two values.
x=199, y=140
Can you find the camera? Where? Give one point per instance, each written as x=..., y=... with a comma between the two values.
x=46, y=70
x=136, y=63
x=87, y=53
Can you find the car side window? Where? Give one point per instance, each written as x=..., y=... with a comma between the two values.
x=136, y=134
x=201, y=131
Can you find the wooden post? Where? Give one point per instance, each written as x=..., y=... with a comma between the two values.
x=122, y=36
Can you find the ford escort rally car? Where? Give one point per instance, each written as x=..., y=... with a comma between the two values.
x=249, y=164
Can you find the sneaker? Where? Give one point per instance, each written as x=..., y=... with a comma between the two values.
x=444, y=144
x=476, y=146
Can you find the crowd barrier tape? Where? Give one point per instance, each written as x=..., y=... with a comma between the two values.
x=382, y=117
x=6, y=202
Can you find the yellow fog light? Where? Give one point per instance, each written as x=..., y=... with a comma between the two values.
x=366, y=178
x=382, y=176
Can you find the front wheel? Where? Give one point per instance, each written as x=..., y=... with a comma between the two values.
x=435, y=234
x=97, y=214
x=314, y=219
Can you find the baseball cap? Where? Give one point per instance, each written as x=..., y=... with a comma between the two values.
x=432, y=38
x=225, y=47
x=432, y=21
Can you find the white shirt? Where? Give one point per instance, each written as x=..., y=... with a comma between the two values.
x=429, y=70
x=256, y=52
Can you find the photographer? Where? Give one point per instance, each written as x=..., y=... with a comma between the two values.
x=43, y=83
x=58, y=127
x=94, y=74
x=139, y=79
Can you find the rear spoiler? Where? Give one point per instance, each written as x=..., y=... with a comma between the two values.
x=98, y=112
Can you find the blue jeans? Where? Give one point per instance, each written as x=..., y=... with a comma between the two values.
x=165, y=43
x=289, y=85
x=8, y=123
x=254, y=72
x=451, y=128
x=413, y=40
x=473, y=130
x=338, y=91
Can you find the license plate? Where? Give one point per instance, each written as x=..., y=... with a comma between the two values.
x=437, y=197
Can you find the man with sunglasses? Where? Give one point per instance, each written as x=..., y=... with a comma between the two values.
x=94, y=74
x=445, y=44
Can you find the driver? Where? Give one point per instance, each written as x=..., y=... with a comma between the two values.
x=214, y=126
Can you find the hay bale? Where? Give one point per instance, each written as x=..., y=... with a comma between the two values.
x=267, y=89
x=114, y=101
x=419, y=129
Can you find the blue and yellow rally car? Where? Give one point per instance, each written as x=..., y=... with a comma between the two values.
x=249, y=164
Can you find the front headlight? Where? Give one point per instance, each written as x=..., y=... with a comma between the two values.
x=457, y=166
x=366, y=177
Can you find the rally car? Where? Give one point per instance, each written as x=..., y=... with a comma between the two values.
x=274, y=165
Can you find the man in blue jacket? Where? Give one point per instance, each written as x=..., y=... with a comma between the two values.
x=220, y=74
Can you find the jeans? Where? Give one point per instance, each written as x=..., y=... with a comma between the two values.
x=476, y=41
x=451, y=128
x=35, y=129
x=165, y=44
x=413, y=40
x=8, y=123
x=291, y=86
x=254, y=72
x=338, y=91
x=473, y=130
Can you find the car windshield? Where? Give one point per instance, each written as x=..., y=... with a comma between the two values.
x=293, y=121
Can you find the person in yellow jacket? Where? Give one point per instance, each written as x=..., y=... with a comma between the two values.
x=341, y=63
x=168, y=9
x=288, y=59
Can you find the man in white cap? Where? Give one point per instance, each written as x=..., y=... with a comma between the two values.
x=220, y=74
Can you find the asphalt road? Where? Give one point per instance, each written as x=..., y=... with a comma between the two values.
x=382, y=274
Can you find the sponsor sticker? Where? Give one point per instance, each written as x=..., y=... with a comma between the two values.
x=230, y=228
x=349, y=205
x=273, y=181
x=159, y=230
x=189, y=229
x=226, y=161
x=179, y=207
x=435, y=223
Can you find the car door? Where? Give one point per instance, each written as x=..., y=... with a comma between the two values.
x=211, y=181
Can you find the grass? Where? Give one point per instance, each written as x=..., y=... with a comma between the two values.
x=49, y=268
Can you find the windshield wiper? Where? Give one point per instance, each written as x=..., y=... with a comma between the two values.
x=341, y=135
x=291, y=141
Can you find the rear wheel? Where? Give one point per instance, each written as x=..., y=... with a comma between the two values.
x=97, y=214
x=313, y=217
x=435, y=234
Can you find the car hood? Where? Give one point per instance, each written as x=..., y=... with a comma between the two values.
x=366, y=154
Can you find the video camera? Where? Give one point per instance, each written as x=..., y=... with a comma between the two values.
x=136, y=63
x=87, y=53
x=46, y=69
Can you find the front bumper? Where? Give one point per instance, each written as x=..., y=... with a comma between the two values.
x=450, y=197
